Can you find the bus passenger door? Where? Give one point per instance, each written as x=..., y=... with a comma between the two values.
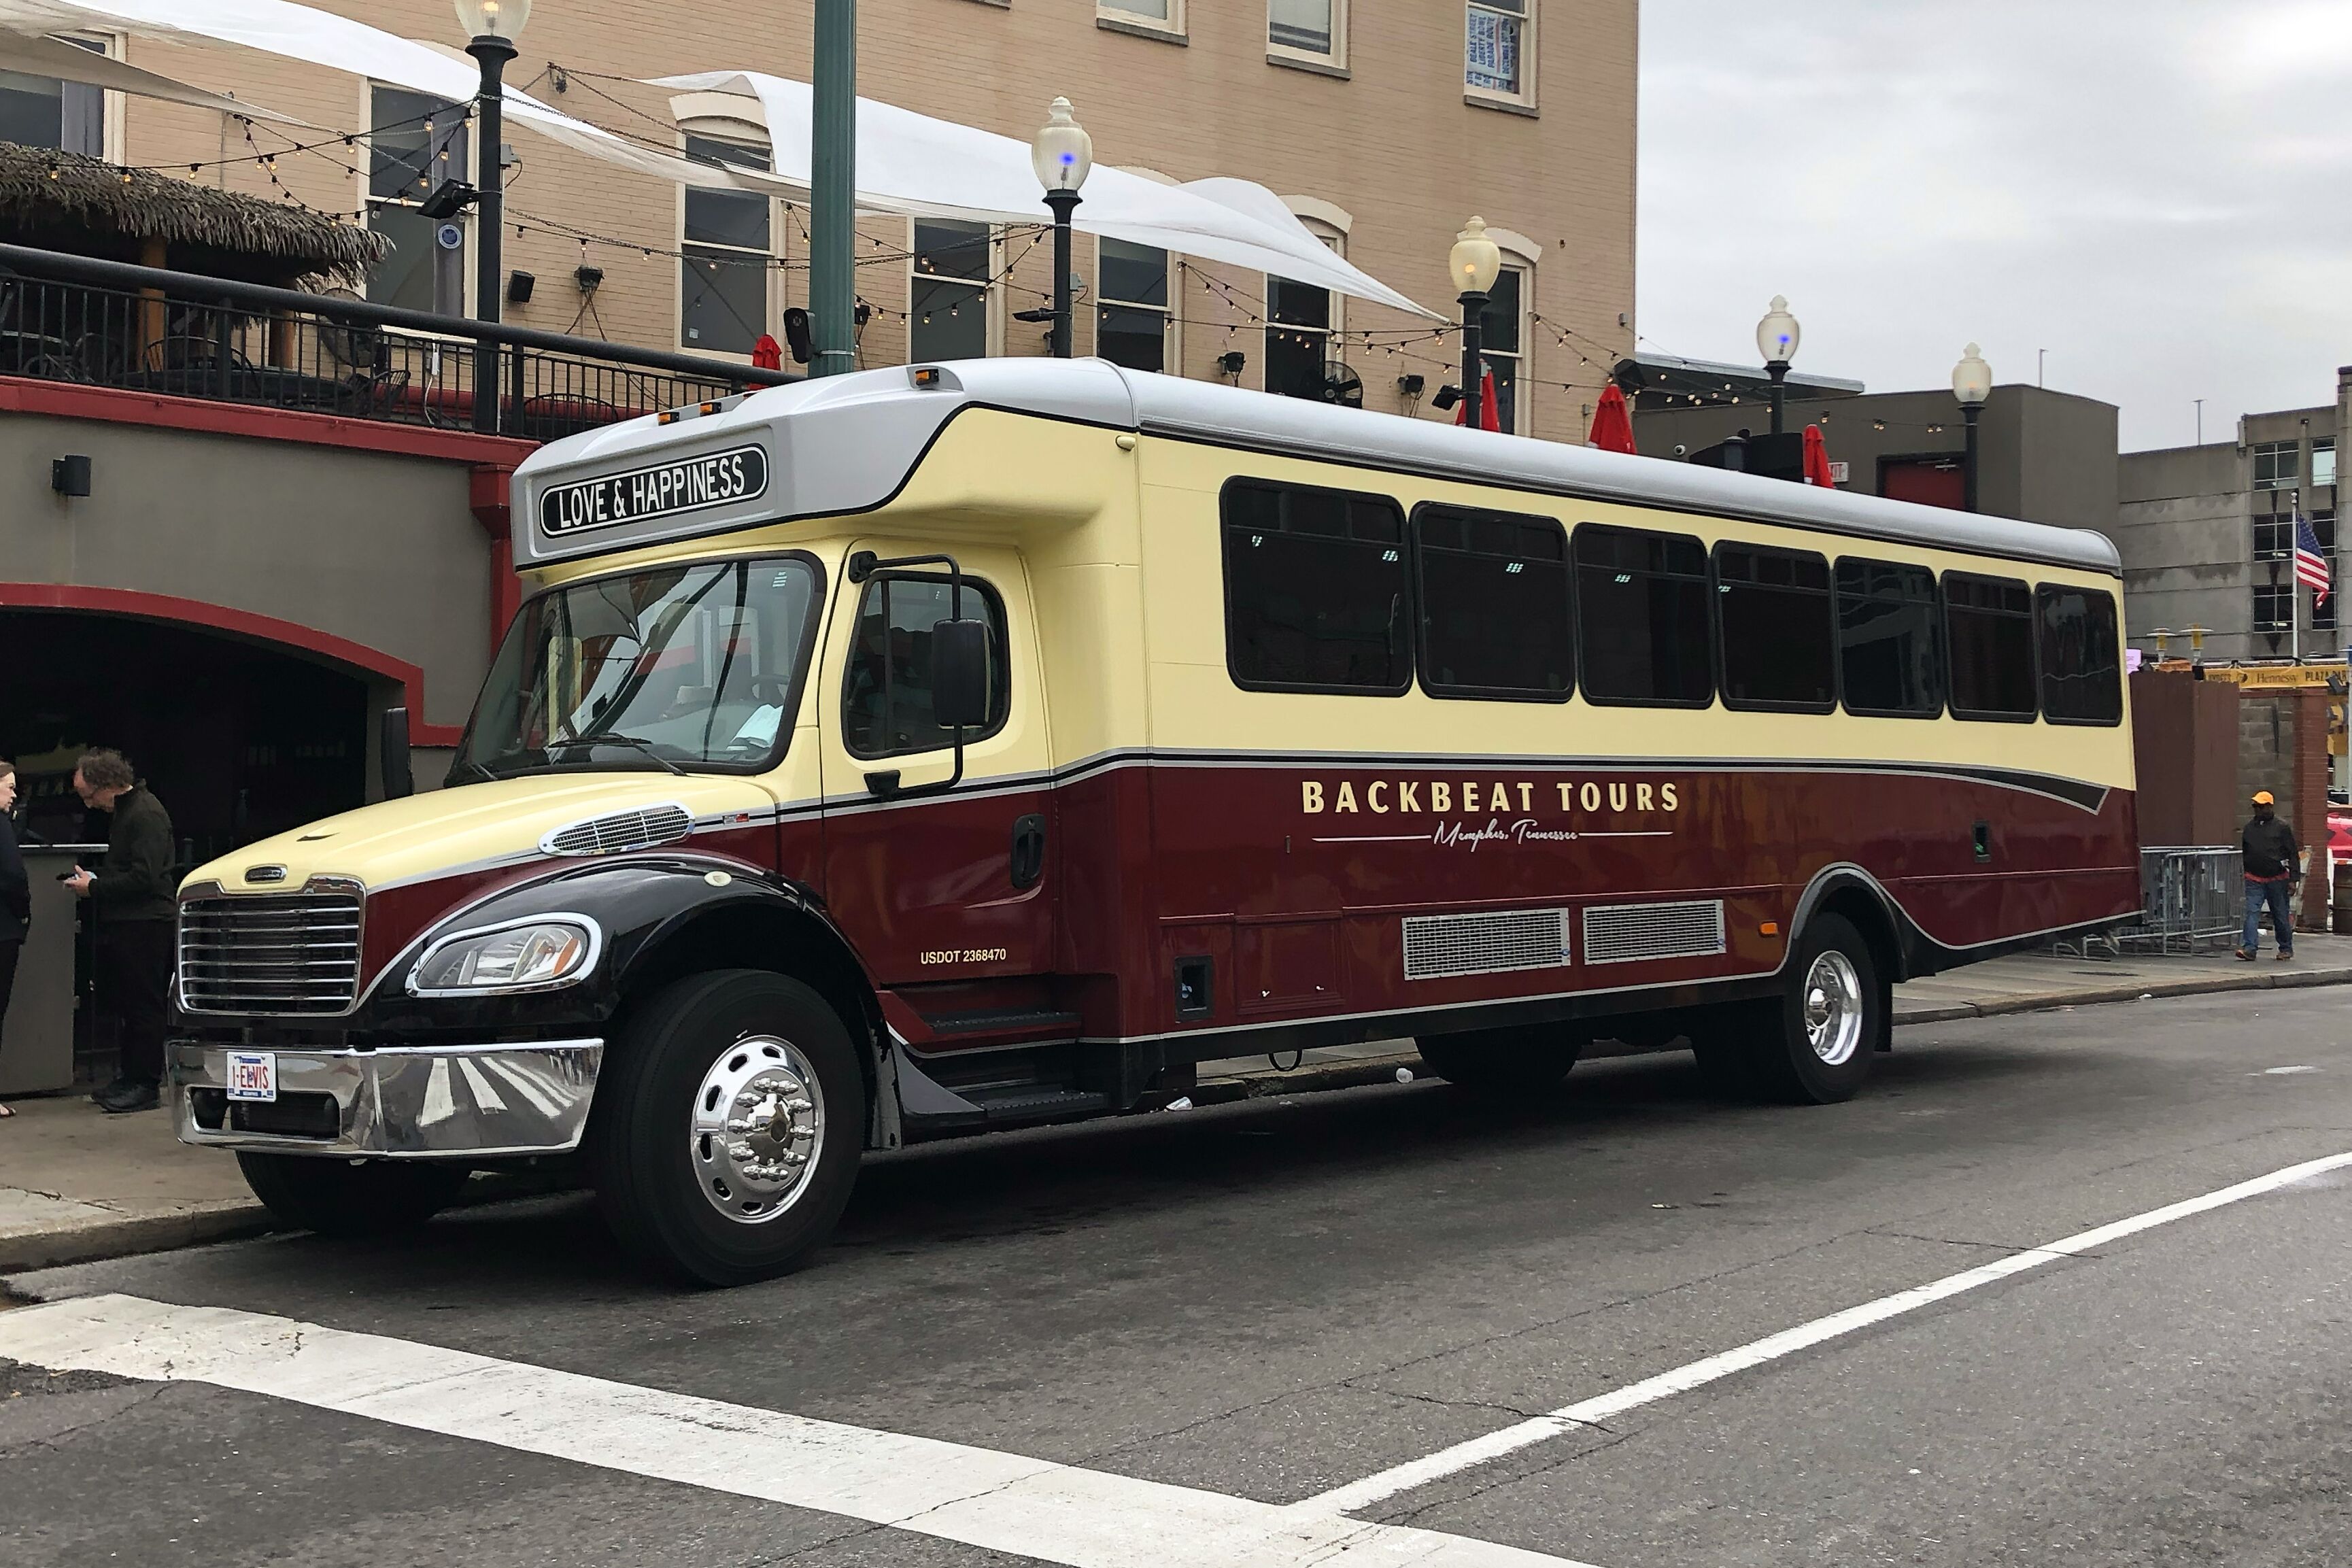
x=947, y=890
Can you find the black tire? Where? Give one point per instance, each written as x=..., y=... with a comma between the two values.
x=1832, y=973
x=1525, y=1061
x=336, y=1197
x=650, y=1168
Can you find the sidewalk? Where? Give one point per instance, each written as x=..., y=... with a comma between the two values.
x=77, y=1185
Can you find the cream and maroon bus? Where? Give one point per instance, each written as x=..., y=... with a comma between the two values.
x=942, y=749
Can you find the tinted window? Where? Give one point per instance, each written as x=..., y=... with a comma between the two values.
x=1989, y=627
x=1315, y=589
x=2082, y=682
x=1778, y=641
x=1495, y=618
x=1642, y=626
x=886, y=696
x=1890, y=649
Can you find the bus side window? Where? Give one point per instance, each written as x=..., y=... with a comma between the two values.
x=2082, y=676
x=1890, y=642
x=1778, y=633
x=1989, y=626
x=1496, y=616
x=1644, y=630
x=886, y=697
x=1318, y=597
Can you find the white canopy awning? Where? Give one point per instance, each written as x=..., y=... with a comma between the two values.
x=36, y=54
x=913, y=163
x=906, y=163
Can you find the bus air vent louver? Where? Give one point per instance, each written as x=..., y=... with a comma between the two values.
x=1619, y=933
x=1437, y=945
x=621, y=831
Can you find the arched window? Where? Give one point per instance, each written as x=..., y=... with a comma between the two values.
x=726, y=238
x=1303, y=321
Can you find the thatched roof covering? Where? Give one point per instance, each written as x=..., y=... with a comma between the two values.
x=63, y=201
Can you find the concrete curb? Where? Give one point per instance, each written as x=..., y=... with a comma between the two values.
x=132, y=1234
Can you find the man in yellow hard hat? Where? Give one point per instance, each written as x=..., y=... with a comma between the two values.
x=2274, y=866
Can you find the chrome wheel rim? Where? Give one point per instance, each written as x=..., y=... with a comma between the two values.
x=1833, y=1002
x=757, y=1130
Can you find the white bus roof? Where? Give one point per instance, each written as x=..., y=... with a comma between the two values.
x=848, y=444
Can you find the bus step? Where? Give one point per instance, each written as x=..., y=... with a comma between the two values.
x=1002, y=1019
x=1033, y=1101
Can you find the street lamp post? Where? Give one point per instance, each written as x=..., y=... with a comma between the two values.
x=1475, y=262
x=833, y=184
x=1971, y=383
x=1063, y=154
x=1776, y=339
x=492, y=25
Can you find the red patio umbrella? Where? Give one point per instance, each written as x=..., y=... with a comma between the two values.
x=1488, y=417
x=1612, y=428
x=1817, y=458
x=767, y=353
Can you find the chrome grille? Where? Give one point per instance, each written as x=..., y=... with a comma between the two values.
x=1618, y=933
x=620, y=831
x=1493, y=944
x=271, y=953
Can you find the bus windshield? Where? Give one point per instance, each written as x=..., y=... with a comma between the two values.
x=680, y=667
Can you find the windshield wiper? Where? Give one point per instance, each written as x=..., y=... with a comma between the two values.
x=607, y=738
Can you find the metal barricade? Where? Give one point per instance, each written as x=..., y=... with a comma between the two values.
x=2191, y=901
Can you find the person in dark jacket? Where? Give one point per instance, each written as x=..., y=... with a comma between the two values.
x=131, y=895
x=2274, y=866
x=16, y=903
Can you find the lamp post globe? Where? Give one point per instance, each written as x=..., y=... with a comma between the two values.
x=1475, y=262
x=1063, y=154
x=491, y=27
x=1971, y=383
x=1777, y=336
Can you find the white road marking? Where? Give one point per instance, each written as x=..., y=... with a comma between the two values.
x=2281, y=1072
x=1683, y=1379
x=1002, y=1502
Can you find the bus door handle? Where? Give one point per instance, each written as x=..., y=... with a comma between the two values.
x=1028, y=851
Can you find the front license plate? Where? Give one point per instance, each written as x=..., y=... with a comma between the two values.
x=253, y=1075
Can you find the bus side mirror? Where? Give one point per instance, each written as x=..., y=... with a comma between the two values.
x=960, y=674
x=392, y=755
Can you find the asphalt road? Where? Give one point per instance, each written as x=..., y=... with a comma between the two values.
x=1272, y=1300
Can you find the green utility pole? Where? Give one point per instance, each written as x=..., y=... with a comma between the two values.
x=832, y=179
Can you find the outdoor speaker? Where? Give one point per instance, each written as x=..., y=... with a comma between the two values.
x=69, y=476
x=518, y=288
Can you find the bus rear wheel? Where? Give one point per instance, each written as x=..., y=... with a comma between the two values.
x=728, y=1128
x=1503, y=1061
x=1814, y=1044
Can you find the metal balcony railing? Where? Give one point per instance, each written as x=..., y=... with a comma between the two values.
x=80, y=320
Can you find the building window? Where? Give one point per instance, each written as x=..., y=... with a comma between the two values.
x=1498, y=50
x=2082, y=680
x=946, y=309
x=1159, y=16
x=2323, y=463
x=1317, y=592
x=1297, y=338
x=1502, y=340
x=2277, y=466
x=1496, y=616
x=886, y=698
x=1643, y=633
x=1313, y=30
x=1779, y=632
x=2323, y=526
x=1989, y=627
x=2274, y=530
x=1890, y=656
x=42, y=111
x=722, y=269
x=416, y=142
x=2274, y=606
x=1133, y=322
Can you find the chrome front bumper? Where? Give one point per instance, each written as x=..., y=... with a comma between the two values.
x=395, y=1102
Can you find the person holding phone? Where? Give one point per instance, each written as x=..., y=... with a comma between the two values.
x=131, y=893
x=15, y=903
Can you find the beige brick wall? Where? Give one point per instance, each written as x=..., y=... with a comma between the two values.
x=1395, y=145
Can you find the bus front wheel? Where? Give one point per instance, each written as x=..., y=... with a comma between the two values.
x=1502, y=1061
x=729, y=1126
x=1813, y=1045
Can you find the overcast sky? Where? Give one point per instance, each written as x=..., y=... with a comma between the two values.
x=2157, y=192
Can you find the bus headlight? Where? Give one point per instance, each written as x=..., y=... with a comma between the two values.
x=536, y=955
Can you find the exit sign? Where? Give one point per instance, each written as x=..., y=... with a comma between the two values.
x=1840, y=472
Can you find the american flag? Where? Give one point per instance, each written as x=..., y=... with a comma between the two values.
x=2310, y=563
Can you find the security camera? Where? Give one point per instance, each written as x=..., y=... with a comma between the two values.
x=1681, y=451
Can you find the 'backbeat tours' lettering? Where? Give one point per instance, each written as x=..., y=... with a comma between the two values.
x=1383, y=797
x=738, y=474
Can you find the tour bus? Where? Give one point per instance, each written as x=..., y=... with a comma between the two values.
x=949, y=748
